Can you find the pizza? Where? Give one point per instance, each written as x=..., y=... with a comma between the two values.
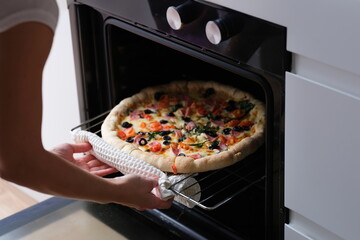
x=187, y=126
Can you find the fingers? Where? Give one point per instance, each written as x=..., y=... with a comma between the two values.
x=139, y=192
x=165, y=204
x=157, y=203
x=103, y=172
x=74, y=148
x=93, y=165
x=97, y=167
x=88, y=158
x=80, y=147
x=154, y=182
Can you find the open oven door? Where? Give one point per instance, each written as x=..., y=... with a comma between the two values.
x=59, y=218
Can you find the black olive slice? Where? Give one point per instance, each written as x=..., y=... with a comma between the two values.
x=130, y=139
x=167, y=137
x=142, y=142
x=126, y=125
x=148, y=111
x=226, y=131
x=166, y=142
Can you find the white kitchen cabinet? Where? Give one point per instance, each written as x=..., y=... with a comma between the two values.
x=292, y=234
x=322, y=162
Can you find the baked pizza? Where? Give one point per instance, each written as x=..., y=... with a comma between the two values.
x=186, y=127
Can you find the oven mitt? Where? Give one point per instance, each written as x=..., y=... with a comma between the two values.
x=128, y=164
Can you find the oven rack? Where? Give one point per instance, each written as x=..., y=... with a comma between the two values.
x=217, y=186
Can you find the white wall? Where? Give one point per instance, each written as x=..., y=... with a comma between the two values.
x=60, y=103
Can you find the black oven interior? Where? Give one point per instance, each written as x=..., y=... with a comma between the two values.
x=122, y=51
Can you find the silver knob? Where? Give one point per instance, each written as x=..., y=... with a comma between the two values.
x=173, y=18
x=183, y=14
x=213, y=32
x=223, y=28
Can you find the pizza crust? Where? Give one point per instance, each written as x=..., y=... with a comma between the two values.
x=226, y=158
x=190, y=165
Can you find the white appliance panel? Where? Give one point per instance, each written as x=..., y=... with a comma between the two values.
x=322, y=141
x=292, y=234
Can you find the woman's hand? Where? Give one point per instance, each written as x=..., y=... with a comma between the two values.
x=86, y=161
x=137, y=192
x=134, y=190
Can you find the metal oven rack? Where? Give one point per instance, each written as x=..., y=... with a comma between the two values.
x=218, y=186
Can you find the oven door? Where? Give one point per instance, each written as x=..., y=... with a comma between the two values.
x=59, y=218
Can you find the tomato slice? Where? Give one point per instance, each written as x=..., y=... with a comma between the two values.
x=130, y=132
x=121, y=134
x=148, y=117
x=234, y=123
x=238, y=113
x=168, y=127
x=174, y=169
x=231, y=141
x=143, y=125
x=155, y=146
x=246, y=123
x=184, y=146
x=222, y=139
x=155, y=126
x=217, y=111
x=202, y=111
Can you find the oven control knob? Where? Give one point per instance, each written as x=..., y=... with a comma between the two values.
x=183, y=14
x=223, y=28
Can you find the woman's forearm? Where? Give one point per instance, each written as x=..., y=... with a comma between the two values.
x=48, y=173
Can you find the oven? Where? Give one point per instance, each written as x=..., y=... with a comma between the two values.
x=122, y=47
